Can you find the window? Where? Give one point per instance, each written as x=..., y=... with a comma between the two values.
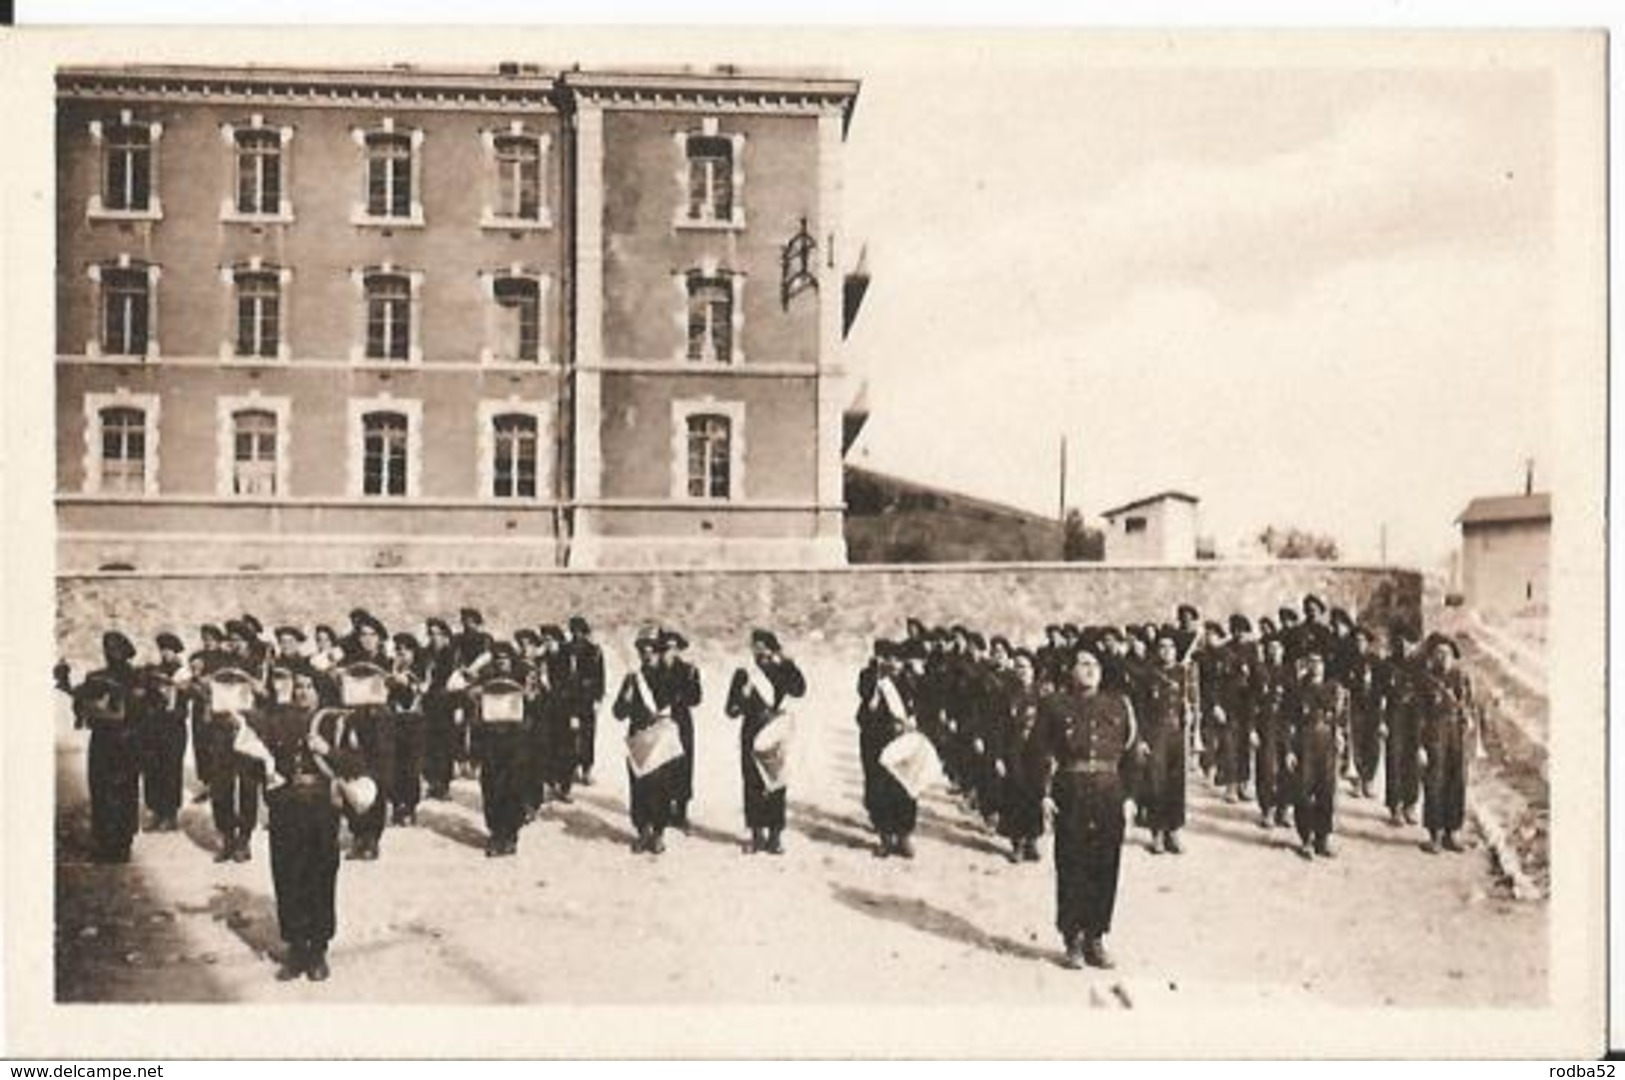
x=259, y=313
x=1133, y=525
x=259, y=171
x=710, y=319
x=519, y=177
x=514, y=445
x=709, y=438
x=254, y=452
x=384, y=453
x=124, y=450
x=519, y=304
x=710, y=178
x=127, y=184
x=389, y=175
x=389, y=317
x=126, y=310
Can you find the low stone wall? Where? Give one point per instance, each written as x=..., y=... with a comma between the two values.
x=841, y=608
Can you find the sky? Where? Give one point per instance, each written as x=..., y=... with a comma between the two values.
x=1312, y=296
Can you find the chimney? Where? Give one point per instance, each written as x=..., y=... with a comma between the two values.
x=1529, y=476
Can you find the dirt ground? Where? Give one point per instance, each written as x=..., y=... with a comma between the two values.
x=577, y=918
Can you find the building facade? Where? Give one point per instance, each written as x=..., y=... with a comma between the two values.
x=404, y=317
x=1506, y=551
x=1159, y=528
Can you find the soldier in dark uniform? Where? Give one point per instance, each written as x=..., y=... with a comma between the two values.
x=1050, y=661
x=1170, y=699
x=1321, y=717
x=441, y=709
x=1402, y=782
x=504, y=745
x=1210, y=656
x=406, y=683
x=234, y=791
x=1445, y=713
x=325, y=657
x=683, y=694
x=884, y=713
x=756, y=697
x=1236, y=699
x=640, y=704
x=373, y=727
x=1020, y=766
x=1272, y=735
x=471, y=648
x=1367, y=676
x=587, y=691
x=304, y=829
x=161, y=732
x=559, y=715
x=106, y=703
x=528, y=644
x=1084, y=733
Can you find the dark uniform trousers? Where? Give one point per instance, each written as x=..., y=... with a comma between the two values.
x=1163, y=779
x=1443, y=703
x=1365, y=743
x=1273, y=778
x=234, y=789
x=115, y=792
x=1401, y=782
x=1316, y=781
x=892, y=810
x=1088, y=849
x=406, y=784
x=504, y=779
x=304, y=832
x=439, y=738
x=162, y=734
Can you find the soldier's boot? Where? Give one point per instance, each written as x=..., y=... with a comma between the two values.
x=754, y=844
x=641, y=841
x=775, y=842
x=1018, y=849
x=657, y=843
x=885, y=846
x=905, y=847
x=1156, y=843
x=294, y=963
x=1306, y=851
x=1432, y=845
x=1173, y=844
x=1031, y=852
x=1265, y=821
x=1395, y=818
x=241, y=852
x=1410, y=814
x=1095, y=954
x=1073, y=960
x=317, y=970
x=1323, y=848
x=1450, y=843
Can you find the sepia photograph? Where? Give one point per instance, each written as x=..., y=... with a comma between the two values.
x=852, y=528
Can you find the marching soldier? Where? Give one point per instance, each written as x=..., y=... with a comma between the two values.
x=304, y=829
x=587, y=691
x=405, y=685
x=756, y=698
x=1271, y=737
x=106, y=704
x=442, y=710
x=374, y=736
x=1402, y=782
x=642, y=704
x=1021, y=765
x=1368, y=677
x=1084, y=732
x=883, y=715
x=498, y=702
x=1322, y=716
x=234, y=788
x=1445, y=711
x=472, y=650
x=1170, y=696
x=559, y=715
x=683, y=692
x=1237, y=701
x=161, y=731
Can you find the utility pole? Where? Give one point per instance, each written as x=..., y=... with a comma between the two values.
x=1382, y=545
x=1063, y=480
x=1528, y=476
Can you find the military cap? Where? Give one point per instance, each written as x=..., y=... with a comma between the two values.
x=290, y=631
x=997, y=640
x=1185, y=611
x=976, y=640
x=472, y=615
x=1312, y=601
x=322, y=628
x=914, y=627
x=255, y=627
x=1080, y=655
x=1213, y=627
x=211, y=632
x=551, y=632
x=1288, y=617
x=1239, y=624
x=236, y=629
x=1341, y=615
x=1110, y=633
x=647, y=636
x=359, y=616
x=1070, y=629
x=168, y=642
x=438, y=624
x=1052, y=630
x=671, y=639
x=371, y=623
x=1266, y=626
x=579, y=625
x=117, y=647
x=526, y=634
x=911, y=650
x=884, y=649
x=766, y=639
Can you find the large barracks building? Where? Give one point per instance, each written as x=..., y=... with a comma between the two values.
x=409, y=317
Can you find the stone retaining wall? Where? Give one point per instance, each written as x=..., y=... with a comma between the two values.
x=842, y=608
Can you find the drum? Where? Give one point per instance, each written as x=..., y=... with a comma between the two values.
x=913, y=761
x=652, y=747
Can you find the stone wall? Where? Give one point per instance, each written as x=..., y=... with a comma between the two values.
x=834, y=609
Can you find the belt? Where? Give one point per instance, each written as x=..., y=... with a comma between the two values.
x=1091, y=767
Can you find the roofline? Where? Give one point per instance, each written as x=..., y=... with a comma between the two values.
x=1520, y=519
x=974, y=501
x=1148, y=500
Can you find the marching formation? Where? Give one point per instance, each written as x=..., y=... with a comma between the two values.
x=357, y=729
